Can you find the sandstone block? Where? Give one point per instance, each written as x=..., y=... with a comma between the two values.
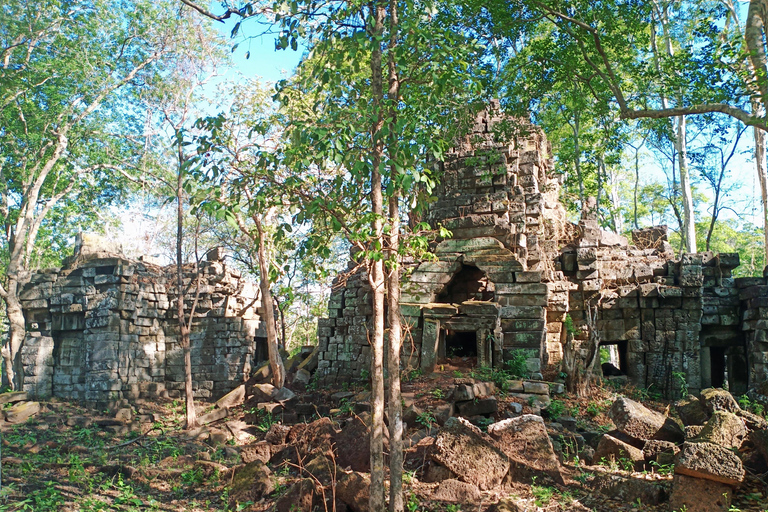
x=456, y=491
x=637, y=421
x=524, y=440
x=462, y=448
x=611, y=448
x=724, y=429
x=21, y=412
x=699, y=495
x=711, y=462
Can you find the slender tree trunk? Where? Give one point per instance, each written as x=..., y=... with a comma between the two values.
x=637, y=184
x=689, y=221
x=275, y=361
x=376, y=266
x=393, y=284
x=577, y=163
x=14, y=371
x=184, y=328
x=763, y=179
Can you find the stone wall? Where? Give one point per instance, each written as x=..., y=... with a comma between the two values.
x=104, y=328
x=516, y=276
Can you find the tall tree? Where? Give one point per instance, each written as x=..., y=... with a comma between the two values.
x=68, y=73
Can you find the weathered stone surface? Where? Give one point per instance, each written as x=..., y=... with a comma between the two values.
x=277, y=433
x=524, y=440
x=13, y=397
x=725, y=429
x=298, y=498
x=629, y=489
x=260, y=451
x=302, y=378
x=308, y=437
x=759, y=439
x=692, y=411
x=354, y=489
x=436, y=472
x=456, y=491
x=322, y=468
x=461, y=448
x=709, y=461
x=481, y=406
x=699, y=495
x=284, y=395
x=715, y=399
x=21, y=412
x=249, y=483
x=612, y=449
x=214, y=415
x=233, y=398
x=637, y=421
x=662, y=452
x=353, y=446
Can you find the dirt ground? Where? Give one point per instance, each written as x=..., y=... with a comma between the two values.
x=68, y=458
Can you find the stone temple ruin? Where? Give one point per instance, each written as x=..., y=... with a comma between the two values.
x=105, y=328
x=516, y=276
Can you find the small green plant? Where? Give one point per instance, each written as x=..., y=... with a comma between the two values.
x=680, y=378
x=458, y=374
x=542, y=494
x=192, y=477
x=412, y=505
x=437, y=394
x=453, y=507
x=663, y=469
x=264, y=419
x=346, y=407
x=426, y=419
x=517, y=365
x=556, y=409
x=752, y=406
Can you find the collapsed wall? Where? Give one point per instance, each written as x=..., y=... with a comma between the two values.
x=105, y=328
x=517, y=278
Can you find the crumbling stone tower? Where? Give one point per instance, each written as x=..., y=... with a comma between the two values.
x=487, y=294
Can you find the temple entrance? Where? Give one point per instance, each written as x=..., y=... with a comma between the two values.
x=460, y=344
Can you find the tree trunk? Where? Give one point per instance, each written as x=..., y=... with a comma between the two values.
x=577, y=163
x=637, y=184
x=376, y=267
x=14, y=372
x=183, y=326
x=275, y=361
x=393, y=286
x=689, y=220
x=763, y=179
x=581, y=370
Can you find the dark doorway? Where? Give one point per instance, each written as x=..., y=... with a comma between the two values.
x=461, y=344
x=717, y=362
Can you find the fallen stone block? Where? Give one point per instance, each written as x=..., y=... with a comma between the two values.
x=477, y=407
x=261, y=451
x=612, y=449
x=456, y=491
x=21, y=412
x=699, y=495
x=637, y=421
x=629, y=489
x=711, y=462
x=692, y=411
x=12, y=397
x=524, y=440
x=724, y=429
x=463, y=449
x=214, y=415
x=249, y=483
x=299, y=497
x=354, y=489
x=661, y=452
x=302, y=378
x=233, y=398
x=715, y=399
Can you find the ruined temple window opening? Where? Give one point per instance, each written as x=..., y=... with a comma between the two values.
x=469, y=283
x=618, y=355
